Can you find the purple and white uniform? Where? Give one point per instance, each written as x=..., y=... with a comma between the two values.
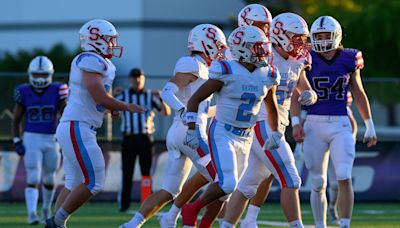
x=41, y=112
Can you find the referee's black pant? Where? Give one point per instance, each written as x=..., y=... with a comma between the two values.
x=133, y=145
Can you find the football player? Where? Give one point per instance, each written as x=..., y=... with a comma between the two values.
x=206, y=43
x=241, y=86
x=334, y=71
x=288, y=34
x=90, y=80
x=39, y=102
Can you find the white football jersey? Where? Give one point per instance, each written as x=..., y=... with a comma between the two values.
x=239, y=100
x=289, y=70
x=81, y=106
x=197, y=66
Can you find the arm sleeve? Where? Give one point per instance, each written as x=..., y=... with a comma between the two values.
x=63, y=91
x=91, y=63
x=156, y=103
x=358, y=61
x=18, y=96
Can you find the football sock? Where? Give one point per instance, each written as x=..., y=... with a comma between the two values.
x=61, y=217
x=197, y=205
x=296, y=224
x=173, y=213
x=31, y=199
x=205, y=222
x=48, y=195
x=344, y=222
x=319, y=207
x=252, y=213
x=137, y=220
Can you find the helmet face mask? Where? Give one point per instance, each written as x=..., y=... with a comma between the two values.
x=290, y=32
x=100, y=36
x=208, y=39
x=249, y=44
x=326, y=34
x=40, y=72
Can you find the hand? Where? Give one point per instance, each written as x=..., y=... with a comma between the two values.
x=370, y=136
x=117, y=91
x=135, y=108
x=115, y=114
x=308, y=97
x=19, y=148
x=273, y=141
x=298, y=133
x=191, y=139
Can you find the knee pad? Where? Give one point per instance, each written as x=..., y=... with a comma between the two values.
x=48, y=178
x=248, y=191
x=228, y=185
x=96, y=188
x=96, y=183
x=296, y=182
x=318, y=183
x=32, y=176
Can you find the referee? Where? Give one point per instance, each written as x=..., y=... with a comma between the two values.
x=137, y=130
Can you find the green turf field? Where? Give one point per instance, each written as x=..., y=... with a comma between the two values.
x=106, y=215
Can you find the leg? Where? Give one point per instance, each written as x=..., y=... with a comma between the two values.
x=51, y=161
x=333, y=191
x=128, y=155
x=212, y=211
x=33, y=165
x=145, y=160
x=316, y=160
x=85, y=155
x=342, y=155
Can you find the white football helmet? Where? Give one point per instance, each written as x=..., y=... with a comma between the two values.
x=253, y=13
x=100, y=36
x=208, y=39
x=40, y=65
x=290, y=32
x=330, y=25
x=250, y=44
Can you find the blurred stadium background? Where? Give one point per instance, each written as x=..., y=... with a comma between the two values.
x=154, y=35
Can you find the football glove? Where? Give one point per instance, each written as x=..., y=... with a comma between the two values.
x=19, y=146
x=191, y=139
x=273, y=141
x=308, y=97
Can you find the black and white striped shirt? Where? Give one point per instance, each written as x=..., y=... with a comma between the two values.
x=139, y=123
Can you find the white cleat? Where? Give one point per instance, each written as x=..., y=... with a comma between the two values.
x=248, y=224
x=333, y=216
x=32, y=219
x=165, y=222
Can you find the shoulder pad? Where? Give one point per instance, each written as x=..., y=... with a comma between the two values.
x=187, y=64
x=91, y=62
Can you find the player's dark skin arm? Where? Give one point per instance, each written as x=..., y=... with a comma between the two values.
x=61, y=106
x=18, y=115
x=272, y=108
x=209, y=87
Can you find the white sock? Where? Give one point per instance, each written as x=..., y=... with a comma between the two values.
x=345, y=222
x=48, y=196
x=173, y=213
x=296, y=224
x=319, y=207
x=252, y=213
x=61, y=217
x=226, y=225
x=31, y=199
x=332, y=197
x=136, y=221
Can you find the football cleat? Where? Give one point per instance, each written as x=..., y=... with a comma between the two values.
x=51, y=224
x=32, y=219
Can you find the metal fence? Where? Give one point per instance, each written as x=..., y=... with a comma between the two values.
x=384, y=94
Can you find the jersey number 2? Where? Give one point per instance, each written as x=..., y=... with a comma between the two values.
x=250, y=99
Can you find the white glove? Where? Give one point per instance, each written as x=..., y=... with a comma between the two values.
x=308, y=97
x=191, y=139
x=273, y=141
x=370, y=131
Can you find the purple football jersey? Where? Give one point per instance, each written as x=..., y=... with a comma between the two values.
x=41, y=109
x=330, y=80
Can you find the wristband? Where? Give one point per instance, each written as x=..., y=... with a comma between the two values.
x=369, y=124
x=191, y=117
x=295, y=121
